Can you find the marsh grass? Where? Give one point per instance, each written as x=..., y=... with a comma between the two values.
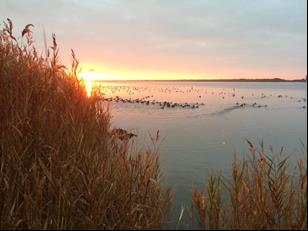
x=264, y=193
x=59, y=166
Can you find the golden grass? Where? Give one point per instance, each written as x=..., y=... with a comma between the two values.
x=59, y=166
x=264, y=193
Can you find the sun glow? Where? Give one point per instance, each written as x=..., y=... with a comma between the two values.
x=99, y=76
x=87, y=78
x=101, y=73
x=89, y=87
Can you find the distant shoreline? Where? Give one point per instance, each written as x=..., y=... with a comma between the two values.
x=275, y=80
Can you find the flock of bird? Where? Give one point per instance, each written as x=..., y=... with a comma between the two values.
x=161, y=104
x=128, y=92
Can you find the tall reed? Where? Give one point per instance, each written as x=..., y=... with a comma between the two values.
x=264, y=193
x=60, y=168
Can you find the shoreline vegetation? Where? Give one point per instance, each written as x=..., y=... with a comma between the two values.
x=62, y=166
x=264, y=193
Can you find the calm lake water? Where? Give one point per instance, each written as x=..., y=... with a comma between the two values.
x=197, y=142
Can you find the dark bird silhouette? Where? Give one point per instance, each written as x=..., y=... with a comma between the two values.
x=122, y=134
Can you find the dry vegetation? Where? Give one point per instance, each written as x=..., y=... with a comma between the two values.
x=60, y=167
x=264, y=193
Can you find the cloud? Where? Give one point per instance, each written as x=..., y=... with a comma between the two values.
x=265, y=35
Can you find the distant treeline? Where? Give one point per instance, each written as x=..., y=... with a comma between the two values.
x=216, y=80
x=248, y=80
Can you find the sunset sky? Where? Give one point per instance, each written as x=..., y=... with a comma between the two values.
x=172, y=39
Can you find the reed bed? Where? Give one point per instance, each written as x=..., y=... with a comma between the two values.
x=264, y=193
x=60, y=165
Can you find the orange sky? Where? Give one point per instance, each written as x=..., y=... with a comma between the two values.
x=167, y=39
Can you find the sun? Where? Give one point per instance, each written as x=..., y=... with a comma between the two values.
x=88, y=78
x=89, y=87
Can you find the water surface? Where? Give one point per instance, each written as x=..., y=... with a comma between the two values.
x=200, y=141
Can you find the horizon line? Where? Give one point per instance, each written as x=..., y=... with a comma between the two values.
x=213, y=80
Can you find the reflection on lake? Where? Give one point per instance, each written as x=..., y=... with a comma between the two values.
x=202, y=140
